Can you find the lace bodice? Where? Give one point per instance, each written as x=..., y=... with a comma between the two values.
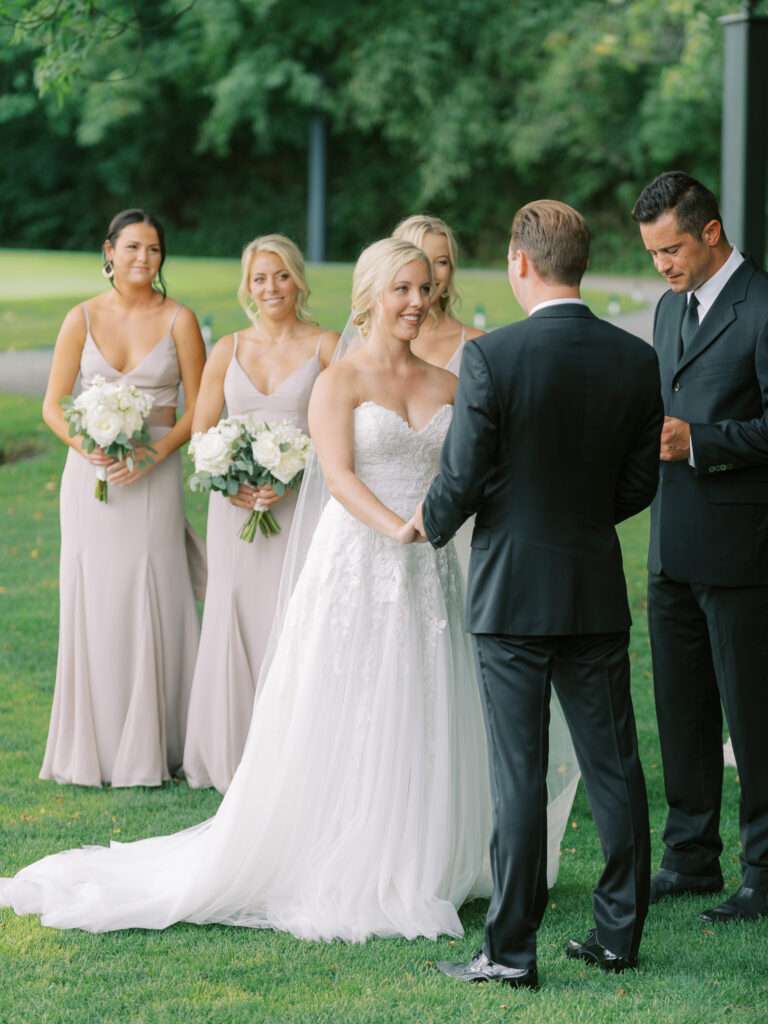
x=397, y=462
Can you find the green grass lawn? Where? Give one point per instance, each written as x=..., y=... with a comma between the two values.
x=689, y=973
x=37, y=288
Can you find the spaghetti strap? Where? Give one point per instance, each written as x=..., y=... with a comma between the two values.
x=84, y=307
x=173, y=318
x=234, y=344
x=317, y=346
x=463, y=337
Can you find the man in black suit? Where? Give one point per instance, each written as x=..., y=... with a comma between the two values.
x=554, y=440
x=708, y=557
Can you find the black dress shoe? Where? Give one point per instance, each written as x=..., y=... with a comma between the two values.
x=745, y=905
x=480, y=968
x=593, y=952
x=671, y=883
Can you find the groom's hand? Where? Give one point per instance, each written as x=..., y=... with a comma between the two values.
x=418, y=521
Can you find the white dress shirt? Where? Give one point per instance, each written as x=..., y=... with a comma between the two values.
x=708, y=292
x=555, y=302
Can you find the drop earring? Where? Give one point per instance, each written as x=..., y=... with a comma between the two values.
x=108, y=270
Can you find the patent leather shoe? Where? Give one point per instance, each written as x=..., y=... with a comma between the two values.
x=593, y=952
x=671, y=883
x=745, y=905
x=480, y=968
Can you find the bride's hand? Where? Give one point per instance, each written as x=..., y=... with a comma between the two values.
x=407, y=533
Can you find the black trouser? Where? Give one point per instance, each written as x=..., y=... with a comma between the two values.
x=710, y=644
x=591, y=677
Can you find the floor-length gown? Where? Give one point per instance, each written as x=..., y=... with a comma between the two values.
x=240, y=600
x=128, y=626
x=361, y=805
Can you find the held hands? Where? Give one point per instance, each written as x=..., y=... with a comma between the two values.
x=675, y=440
x=413, y=531
x=249, y=497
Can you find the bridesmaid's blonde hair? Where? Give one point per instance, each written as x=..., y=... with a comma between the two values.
x=376, y=267
x=291, y=256
x=414, y=229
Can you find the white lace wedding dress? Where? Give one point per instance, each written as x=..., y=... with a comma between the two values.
x=361, y=806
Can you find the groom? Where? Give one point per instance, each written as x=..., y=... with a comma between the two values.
x=554, y=440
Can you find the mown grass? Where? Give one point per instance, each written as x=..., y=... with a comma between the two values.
x=689, y=973
x=37, y=288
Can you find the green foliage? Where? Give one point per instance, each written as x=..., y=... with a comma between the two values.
x=201, y=109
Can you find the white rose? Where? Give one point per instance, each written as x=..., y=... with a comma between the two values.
x=291, y=463
x=103, y=424
x=230, y=430
x=211, y=453
x=254, y=422
x=266, y=450
x=132, y=421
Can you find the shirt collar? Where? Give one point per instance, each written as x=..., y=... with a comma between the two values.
x=709, y=291
x=556, y=302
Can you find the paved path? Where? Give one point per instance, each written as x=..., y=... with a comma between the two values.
x=26, y=372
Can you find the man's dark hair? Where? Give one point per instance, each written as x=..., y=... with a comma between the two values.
x=693, y=203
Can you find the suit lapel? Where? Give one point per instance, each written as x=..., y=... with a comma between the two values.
x=721, y=315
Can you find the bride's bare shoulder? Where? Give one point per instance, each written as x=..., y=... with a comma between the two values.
x=338, y=383
x=441, y=382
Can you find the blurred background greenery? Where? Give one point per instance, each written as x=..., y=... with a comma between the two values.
x=200, y=112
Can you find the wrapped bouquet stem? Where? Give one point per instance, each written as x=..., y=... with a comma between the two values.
x=245, y=451
x=111, y=415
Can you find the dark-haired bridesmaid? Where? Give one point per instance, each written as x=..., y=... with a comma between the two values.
x=128, y=627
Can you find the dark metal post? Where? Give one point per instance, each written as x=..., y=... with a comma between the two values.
x=317, y=189
x=745, y=130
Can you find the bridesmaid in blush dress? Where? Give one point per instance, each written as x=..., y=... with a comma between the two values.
x=267, y=369
x=442, y=336
x=128, y=626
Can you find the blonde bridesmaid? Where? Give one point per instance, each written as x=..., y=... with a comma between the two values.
x=442, y=336
x=268, y=368
x=128, y=627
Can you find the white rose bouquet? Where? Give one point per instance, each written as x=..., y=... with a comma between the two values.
x=249, y=451
x=111, y=415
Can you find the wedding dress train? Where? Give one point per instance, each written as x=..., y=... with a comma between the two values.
x=361, y=806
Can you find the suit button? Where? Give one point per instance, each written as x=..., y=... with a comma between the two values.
x=676, y=386
x=712, y=469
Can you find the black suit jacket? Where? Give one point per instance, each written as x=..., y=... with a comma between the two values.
x=709, y=524
x=554, y=440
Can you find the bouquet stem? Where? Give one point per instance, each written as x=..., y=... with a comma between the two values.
x=261, y=520
x=101, y=490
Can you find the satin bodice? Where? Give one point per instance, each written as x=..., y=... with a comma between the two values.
x=157, y=373
x=289, y=400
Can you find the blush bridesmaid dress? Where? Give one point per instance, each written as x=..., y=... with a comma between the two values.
x=243, y=581
x=128, y=626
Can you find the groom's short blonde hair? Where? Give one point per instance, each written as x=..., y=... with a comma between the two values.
x=555, y=237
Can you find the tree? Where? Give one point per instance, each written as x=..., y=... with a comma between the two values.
x=200, y=108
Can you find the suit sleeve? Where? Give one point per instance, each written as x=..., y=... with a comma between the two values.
x=736, y=444
x=469, y=451
x=639, y=475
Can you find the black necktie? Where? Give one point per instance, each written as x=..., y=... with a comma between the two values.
x=690, y=324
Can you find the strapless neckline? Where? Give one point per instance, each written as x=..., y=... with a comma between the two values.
x=402, y=419
x=283, y=382
x=127, y=373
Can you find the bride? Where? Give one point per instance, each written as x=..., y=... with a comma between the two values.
x=361, y=806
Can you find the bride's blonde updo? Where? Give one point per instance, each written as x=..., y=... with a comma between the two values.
x=414, y=229
x=290, y=254
x=376, y=267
